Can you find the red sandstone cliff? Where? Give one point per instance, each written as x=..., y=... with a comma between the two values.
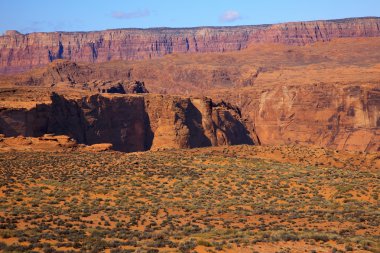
x=20, y=52
x=131, y=122
x=324, y=94
x=343, y=117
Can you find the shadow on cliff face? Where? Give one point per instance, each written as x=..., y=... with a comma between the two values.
x=149, y=135
x=66, y=118
x=7, y=129
x=193, y=120
x=125, y=122
x=120, y=121
x=238, y=133
x=32, y=123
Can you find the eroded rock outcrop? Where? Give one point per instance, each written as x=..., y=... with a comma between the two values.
x=118, y=87
x=44, y=143
x=59, y=71
x=48, y=142
x=20, y=52
x=131, y=122
x=63, y=73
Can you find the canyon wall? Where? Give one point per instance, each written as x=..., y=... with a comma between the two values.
x=131, y=122
x=19, y=52
x=342, y=117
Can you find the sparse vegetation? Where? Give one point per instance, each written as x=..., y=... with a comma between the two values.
x=200, y=200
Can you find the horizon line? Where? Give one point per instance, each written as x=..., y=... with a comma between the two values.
x=199, y=27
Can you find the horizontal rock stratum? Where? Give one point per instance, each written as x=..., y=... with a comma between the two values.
x=131, y=122
x=48, y=142
x=20, y=52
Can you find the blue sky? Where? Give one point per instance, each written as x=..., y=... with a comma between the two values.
x=85, y=15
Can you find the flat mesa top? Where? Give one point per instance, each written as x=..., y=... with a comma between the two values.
x=179, y=29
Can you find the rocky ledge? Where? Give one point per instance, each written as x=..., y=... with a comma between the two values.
x=48, y=142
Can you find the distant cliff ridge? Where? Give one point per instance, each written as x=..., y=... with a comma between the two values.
x=19, y=52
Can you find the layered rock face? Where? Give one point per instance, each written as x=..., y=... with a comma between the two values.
x=20, y=52
x=342, y=117
x=131, y=122
x=324, y=94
